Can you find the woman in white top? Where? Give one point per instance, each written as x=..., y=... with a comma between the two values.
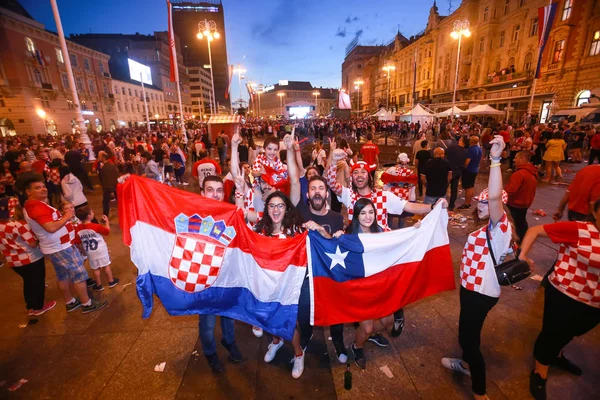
x=480, y=290
x=72, y=189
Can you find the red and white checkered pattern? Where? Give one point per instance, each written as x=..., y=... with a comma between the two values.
x=475, y=257
x=13, y=202
x=195, y=263
x=484, y=196
x=18, y=244
x=403, y=193
x=54, y=176
x=577, y=270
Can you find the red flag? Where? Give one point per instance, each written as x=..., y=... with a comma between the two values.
x=230, y=68
x=172, y=50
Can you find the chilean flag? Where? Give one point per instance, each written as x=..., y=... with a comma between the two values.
x=368, y=276
x=198, y=257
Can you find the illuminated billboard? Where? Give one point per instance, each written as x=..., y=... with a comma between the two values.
x=139, y=72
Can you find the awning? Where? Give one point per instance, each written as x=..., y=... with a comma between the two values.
x=225, y=119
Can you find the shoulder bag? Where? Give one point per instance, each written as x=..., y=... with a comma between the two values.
x=509, y=272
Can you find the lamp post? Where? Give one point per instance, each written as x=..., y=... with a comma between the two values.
x=280, y=95
x=316, y=94
x=42, y=114
x=388, y=68
x=239, y=70
x=461, y=28
x=358, y=83
x=208, y=29
x=156, y=116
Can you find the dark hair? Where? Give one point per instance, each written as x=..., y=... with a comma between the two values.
x=597, y=205
x=354, y=226
x=525, y=155
x=271, y=140
x=313, y=167
x=33, y=178
x=82, y=213
x=317, y=178
x=424, y=144
x=291, y=223
x=147, y=155
x=211, y=178
x=64, y=171
x=369, y=136
x=56, y=163
x=369, y=182
x=557, y=135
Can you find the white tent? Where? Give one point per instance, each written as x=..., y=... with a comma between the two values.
x=483, y=109
x=451, y=111
x=383, y=115
x=418, y=113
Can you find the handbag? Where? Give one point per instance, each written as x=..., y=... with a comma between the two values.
x=509, y=272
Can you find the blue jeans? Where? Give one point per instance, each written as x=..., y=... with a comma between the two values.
x=206, y=327
x=431, y=199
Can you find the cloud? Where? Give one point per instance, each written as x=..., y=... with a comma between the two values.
x=341, y=32
x=272, y=31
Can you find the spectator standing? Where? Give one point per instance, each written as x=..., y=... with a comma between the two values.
x=109, y=176
x=421, y=159
x=72, y=189
x=584, y=190
x=555, y=153
x=436, y=175
x=73, y=159
x=474, y=155
x=151, y=169
x=222, y=148
x=521, y=187
x=456, y=156
x=595, y=147
x=370, y=154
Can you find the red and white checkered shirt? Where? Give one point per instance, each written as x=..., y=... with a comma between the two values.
x=18, y=243
x=249, y=205
x=577, y=270
x=38, y=213
x=54, y=176
x=13, y=202
x=385, y=202
x=477, y=272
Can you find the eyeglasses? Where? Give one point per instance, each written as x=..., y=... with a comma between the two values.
x=280, y=206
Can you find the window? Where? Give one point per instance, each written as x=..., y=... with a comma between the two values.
x=59, y=56
x=73, y=59
x=511, y=62
x=37, y=76
x=129, y=90
x=91, y=86
x=583, y=98
x=558, y=51
x=136, y=93
x=485, y=14
x=83, y=105
x=126, y=106
x=502, y=37
x=567, y=10
x=534, y=27
x=123, y=90
x=65, y=80
x=595, y=48
x=94, y=106
x=45, y=102
x=522, y=3
x=79, y=84
x=2, y=103
x=506, y=6
x=116, y=90
x=528, y=60
x=101, y=67
x=86, y=64
x=131, y=107
x=118, y=105
x=481, y=44
x=30, y=45
x=105, y=89
x=516, y=31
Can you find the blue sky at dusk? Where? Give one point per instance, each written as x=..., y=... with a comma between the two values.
x=274, y=39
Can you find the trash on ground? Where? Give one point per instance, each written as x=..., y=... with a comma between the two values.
x=160, y=367
x=195, y=352
x=537, y=218
x=540, y=212
x=517, y=287
x=386, y=370
x=17, y=384
x=127, y=284
x=22, y=326
x=536, y=277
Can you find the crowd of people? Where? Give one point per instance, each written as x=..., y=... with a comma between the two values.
x=332, y=190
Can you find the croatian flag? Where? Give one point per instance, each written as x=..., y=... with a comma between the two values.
x=368, y=276
x=173, y=67
x=546, y=18
x=199, y=257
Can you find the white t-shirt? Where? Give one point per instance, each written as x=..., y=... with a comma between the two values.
x=37, y=213
x=92, y=239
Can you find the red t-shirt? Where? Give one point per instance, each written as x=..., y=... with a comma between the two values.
x=585, y=189
x=369, y=152
x=505, y=135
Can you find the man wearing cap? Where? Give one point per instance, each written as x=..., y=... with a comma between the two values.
x=22, y=253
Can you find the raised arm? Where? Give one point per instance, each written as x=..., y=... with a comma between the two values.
x=235, y=157
x=495, y=180
x=288, y=140
x=330, y=173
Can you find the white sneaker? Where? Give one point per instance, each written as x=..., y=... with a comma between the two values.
x=455, y=364
x=273, y=347
x=258, y=332
x=343, y=359
x=298, y=367
x=185, y=184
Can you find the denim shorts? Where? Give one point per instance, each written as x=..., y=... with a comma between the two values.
x=68, y=265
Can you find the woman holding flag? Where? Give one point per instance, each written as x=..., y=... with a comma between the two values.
x=480, y=290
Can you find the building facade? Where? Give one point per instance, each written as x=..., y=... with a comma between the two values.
x=496, y=64
x=187, y=14
x=129, y=109
x=34, y=90
x=200, y=91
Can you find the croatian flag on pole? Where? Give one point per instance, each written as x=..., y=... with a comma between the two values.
x=546, y=18
x=199, y=257
x=368, y=276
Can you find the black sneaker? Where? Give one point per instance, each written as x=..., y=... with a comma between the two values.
x=90, y=282
x=398, y=325
x=566, y=364
x=537, y=386
x=359, y=357
x=114, y=283
x=379, y=340
x=464, y=207
x=215, y=364
x=234, y=353
x=98, y=288
x=95, y=306
x=73, y=306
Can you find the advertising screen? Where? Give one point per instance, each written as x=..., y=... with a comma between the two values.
x=139, y=72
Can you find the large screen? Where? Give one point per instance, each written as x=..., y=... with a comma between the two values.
x=139, y=72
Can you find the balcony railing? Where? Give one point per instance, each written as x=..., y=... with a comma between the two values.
x=508, y=77
x=467, y=59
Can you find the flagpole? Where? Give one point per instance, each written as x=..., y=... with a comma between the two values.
x=145, y=103
x=85, y=139
x=175, y=64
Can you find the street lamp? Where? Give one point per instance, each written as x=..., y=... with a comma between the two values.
x=280, y=95
x=388, y=68
x=461, y=28
x=208, y=29
x=239, y=70
x=358, y=83
x=42, y=114
x=156, y=116
x=316, y=94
